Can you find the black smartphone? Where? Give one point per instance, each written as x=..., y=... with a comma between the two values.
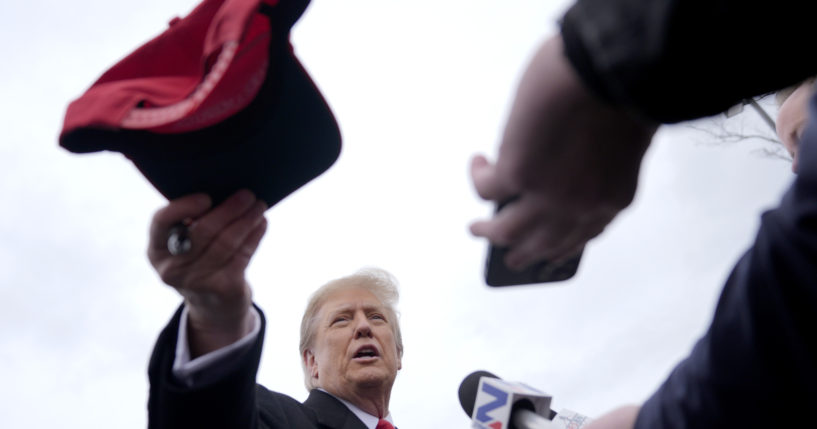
x=497, y=274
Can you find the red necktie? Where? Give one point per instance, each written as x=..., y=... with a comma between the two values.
x=384, y=424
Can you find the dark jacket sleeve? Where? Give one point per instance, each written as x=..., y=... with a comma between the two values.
x=228, y=402
x=757, y=364
x=673, y=60
x=234, y=400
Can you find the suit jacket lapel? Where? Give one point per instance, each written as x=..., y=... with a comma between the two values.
x=332, y=413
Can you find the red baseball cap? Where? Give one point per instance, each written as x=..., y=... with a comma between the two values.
x=216, y=103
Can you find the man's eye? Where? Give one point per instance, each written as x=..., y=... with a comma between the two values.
x=339, y=320
x=378, y=317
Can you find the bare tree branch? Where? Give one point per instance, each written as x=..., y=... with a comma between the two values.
x=723, y=135
x=743, y=127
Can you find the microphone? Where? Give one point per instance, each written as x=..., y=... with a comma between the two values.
x=493, y=403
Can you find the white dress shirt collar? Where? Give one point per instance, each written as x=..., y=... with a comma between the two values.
x=369, y=420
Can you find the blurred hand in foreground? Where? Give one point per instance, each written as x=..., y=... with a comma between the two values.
x=568, y=163
x=620, y=418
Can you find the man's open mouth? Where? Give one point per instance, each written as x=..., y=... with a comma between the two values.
x=366, y=352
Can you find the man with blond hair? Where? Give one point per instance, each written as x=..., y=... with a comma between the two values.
x=202, y=371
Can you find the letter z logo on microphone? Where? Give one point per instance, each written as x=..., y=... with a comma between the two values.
x=491, y=399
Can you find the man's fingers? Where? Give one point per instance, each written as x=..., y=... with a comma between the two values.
x=527, y=251
x=250, y=244
x=486, y=183
x=216, y=246
x=230, y=240
x=187, y=207
x=540, y=241
x=507, y=226
x=554, y=241
x=204, y=225
x=203, y=230
x=534, y=230
x=235, y=259
x=208, y=226
x=576, y=241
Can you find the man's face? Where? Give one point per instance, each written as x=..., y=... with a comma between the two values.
x=791, y=119
x=354, y=346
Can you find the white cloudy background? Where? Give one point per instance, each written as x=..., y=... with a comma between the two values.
x=418, y=87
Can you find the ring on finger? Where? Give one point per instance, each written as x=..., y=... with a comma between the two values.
x=178, y=240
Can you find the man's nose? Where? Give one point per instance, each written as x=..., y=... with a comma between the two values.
x=362, y=327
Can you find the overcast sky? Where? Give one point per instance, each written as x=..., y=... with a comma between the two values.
x=417, y=87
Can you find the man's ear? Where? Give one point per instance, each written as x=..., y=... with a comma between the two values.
x=311, y=363
x=399, y=359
